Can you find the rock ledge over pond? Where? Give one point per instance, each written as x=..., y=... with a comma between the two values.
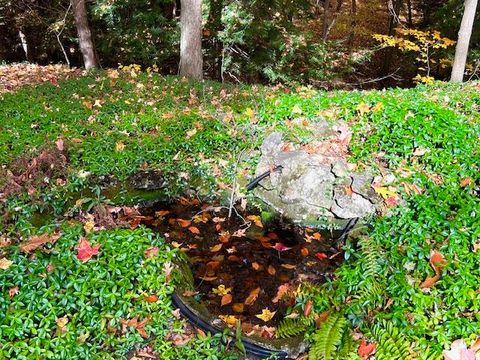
x=314, y=187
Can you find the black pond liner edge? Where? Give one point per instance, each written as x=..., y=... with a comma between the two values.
x=250, y=347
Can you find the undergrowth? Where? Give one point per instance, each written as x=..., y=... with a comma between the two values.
x=194, y=134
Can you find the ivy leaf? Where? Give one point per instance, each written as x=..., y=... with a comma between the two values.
x=85, y=251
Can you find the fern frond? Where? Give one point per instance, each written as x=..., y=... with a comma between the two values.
x=391, y=344
x=348, y=348
x=293, y=327
x=308, y=290
x=328, y=338
x=371, y=257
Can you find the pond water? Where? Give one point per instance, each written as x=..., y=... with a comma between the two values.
x=240, y=262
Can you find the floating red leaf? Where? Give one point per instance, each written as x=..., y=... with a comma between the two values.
x=321, y=256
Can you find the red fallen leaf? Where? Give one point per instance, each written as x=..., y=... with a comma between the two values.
x=321, y=256
x=151, y=298
x=50, y=267
x=280, y=247
x=252, y=297
x=226, y=299
x=194, y=230
x=365, y=350
x=151, y=252
x=85, y=251
x=184, y=223
x=391, y=201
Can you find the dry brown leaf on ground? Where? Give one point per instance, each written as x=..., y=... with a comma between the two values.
x=36, y=241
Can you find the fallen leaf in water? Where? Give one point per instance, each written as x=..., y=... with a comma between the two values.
x=184, y=223
x=280, y=247
x=224, y=236
x=238, y=307
x=217, y=220
x=365, y=349
x=37, y=241
x=256, y=220
x=216, y=248
x=288, y=266
x=271, y=270
x=230, y=320
x=321, y=256
x=304, y=251
x=162, y=213
x=194, y=230
x=239, y=233
x=281, y=291
x=85, y=251
x=266, y=315
x=221, y=290
x=226, y=299
x=252, y=297
x=256, y=266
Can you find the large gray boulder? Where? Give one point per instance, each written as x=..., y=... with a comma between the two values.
x=314, y=188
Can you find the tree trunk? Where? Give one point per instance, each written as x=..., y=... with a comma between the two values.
x=353, y=25
x=191, y=61
x=410, y=15
x=23, y=41
x=461, y=51
x=214, y=26
x=84, y=34
x=326, y=15
x=394, y=7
